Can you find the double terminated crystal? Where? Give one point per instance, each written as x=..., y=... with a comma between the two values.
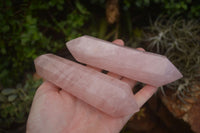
x=145, y=67
x=106, y=93
x=110, y=95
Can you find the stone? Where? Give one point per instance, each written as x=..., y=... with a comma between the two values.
x=145, y=67
x=111, y=96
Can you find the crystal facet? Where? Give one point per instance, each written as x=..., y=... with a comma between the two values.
x=146, y=67
x=110, y=95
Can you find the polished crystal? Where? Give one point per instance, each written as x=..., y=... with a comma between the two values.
x=110, y=95
x=145, y=67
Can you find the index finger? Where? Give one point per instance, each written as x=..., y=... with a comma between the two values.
x=144, y=94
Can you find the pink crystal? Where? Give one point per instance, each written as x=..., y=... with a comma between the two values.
x=106, y=93
x=145, y=67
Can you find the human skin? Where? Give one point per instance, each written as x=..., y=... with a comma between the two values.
x=56, y=111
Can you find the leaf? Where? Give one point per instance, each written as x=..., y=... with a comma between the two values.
x=81, y=8
x=8, y=91
x=12, y=97
x=2, y=98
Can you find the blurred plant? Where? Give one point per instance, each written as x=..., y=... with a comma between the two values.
x=72, y=27
x=188, y=8
x=31, y=28
x=179, y=40
x=15, y=102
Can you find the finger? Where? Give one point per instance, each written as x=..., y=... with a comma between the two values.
x=119, y=42
x=47, y=86
x=114, y=75
x=130, y=81
x=140, y=49
x=144, y=94
x=95, y=68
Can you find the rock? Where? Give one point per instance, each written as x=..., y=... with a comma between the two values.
x=188, y=111
x=193, y=116
x=169, y=122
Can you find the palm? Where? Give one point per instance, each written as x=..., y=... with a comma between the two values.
x=56, y=111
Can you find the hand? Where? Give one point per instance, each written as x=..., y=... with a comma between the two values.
x=56, y=111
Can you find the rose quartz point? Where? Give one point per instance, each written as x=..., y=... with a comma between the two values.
x=110, y=95
x=146, y=67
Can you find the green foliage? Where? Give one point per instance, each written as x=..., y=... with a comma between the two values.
x=188, y=8
x=179, y=40
x=15, y=102
x=31, y=28
x=75, y=20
